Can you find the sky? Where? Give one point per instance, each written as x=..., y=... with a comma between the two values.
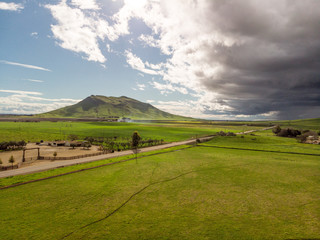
x=210, y=59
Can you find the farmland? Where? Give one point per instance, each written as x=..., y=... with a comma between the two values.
x=228, y=188
x=36, y=131
x=194, y=193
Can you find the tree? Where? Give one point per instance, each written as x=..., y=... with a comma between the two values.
x=276, y=129
x=73, y=137
x=135, y=143
x=11, y=160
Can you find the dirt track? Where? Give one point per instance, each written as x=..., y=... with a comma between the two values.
x=46, y=165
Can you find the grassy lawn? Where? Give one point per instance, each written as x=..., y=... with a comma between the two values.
x=36, y=131
x=196, y=193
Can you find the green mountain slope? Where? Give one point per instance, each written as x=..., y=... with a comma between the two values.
x=97, y=106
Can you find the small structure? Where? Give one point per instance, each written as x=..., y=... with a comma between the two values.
x=73, y=144
x=58, y=143
x=124, y=119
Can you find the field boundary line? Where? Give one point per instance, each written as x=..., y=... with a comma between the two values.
x=88, y=168
x=259, y=150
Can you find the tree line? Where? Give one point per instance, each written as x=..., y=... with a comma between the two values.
x=12, y=145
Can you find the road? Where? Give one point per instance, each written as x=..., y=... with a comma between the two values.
x=64, y=163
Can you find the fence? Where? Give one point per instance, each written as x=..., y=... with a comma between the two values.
x=3, y=168
x=72, y=157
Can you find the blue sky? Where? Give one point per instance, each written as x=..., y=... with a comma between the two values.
x=184, y=57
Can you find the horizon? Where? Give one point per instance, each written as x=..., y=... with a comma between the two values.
x=213, y=60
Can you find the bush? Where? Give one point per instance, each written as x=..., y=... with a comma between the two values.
x=289, y=132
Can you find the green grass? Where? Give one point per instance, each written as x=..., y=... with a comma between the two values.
x=306, y=124
x=197, y=193
x=8, y=181
x=265, y=140
x=36, y=131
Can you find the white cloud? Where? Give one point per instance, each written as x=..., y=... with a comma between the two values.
x=20, y=92
x=136, y=63
x=79, y=31
x=26, y=102
x=85, y=4
x=34, y=34
x=141, y=87
x=34, y=80
x=168, y=88
x=25, y=65
x=10, y=6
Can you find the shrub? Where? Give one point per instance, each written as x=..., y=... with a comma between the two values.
x=289, y=132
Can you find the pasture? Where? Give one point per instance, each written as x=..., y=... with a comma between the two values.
x=169, y=132
x=195, y=193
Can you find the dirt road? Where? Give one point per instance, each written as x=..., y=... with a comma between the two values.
x=63, y=163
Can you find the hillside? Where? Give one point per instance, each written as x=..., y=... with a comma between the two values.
x=96, y=106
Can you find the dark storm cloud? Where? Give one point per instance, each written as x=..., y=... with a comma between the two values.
x=273, y=63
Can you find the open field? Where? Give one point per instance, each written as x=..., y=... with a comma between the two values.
x=265, y=141
x=216, y=190
x=196, y=193
x=36, y=131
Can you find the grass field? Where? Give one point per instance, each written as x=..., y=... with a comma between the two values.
x=36, y=131
x=196, y=193
x=266, y=141
x=216, y=190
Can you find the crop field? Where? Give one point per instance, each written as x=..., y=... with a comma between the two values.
x=36, y=131
x=195, y=193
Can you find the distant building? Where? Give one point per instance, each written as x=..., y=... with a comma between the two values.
x=124, y=119
x=58, y=143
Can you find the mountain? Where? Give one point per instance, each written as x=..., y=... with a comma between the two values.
x=96, y=106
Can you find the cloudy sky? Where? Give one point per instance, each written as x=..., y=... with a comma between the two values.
x=213, y=59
